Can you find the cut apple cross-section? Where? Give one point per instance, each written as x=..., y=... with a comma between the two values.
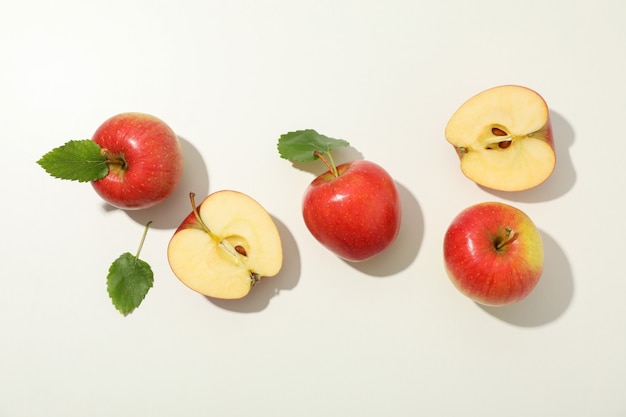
x=503, y=137
x=225, y=246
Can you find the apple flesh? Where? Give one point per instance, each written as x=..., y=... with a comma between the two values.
x=503, y=137
x=493, y=253
x=356, y=214
x=225, y=246
x=144, y=158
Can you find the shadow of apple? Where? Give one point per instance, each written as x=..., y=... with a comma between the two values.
x=563, y=177
x=171, y=212
x=259, y=297
x=403, y=251
x=550, y=298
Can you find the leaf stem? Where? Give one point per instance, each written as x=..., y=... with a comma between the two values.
x=143, y=238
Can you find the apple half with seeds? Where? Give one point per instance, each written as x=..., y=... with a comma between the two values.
x=503, y=137
x=225, y=246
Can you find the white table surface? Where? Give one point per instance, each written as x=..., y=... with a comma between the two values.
x=389, y=337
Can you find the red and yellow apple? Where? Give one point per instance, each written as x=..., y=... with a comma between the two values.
x=493, y=253
x=503, y=137
x=144, y=158
x=355, y=212
x=225, y=246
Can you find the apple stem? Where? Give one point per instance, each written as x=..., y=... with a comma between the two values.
x=237, y=252
x=112, y=159
x=510, y=237
x=330, y=163
x=143, y=238
x=192, y=198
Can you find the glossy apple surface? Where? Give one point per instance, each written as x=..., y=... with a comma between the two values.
x=503, y=137
x=144, y=158
x=493, y=253
x=225, y=246
x=355, y=215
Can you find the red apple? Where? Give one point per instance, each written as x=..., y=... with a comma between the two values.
x=144, y=158
x=493, y=253
x=355, y=214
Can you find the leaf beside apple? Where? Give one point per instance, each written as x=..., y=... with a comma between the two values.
x=76, y=160
x=304, y=145
x=129, y=279
x=128, y=282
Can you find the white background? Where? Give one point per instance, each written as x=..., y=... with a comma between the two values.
x=389, y=337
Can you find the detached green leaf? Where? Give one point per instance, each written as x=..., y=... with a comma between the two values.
x=77, y=160
x=128, y=282
x=129, y=279
x=300, y=146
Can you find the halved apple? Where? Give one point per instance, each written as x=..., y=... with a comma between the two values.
x=225, y=246
x=503, y=137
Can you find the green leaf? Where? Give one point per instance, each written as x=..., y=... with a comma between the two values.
x=128, y=282
x=77, y=160
x=300, y=146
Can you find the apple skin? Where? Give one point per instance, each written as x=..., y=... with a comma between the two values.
x=484, y=273
x=149, y=161
x=356, y=215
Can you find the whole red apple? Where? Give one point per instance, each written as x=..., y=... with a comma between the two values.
x=493, y=253
x=355, y=214
x=144, y=158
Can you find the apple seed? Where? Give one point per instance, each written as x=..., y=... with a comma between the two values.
x=498, y=132
x=241, y=250
x=504, y=144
